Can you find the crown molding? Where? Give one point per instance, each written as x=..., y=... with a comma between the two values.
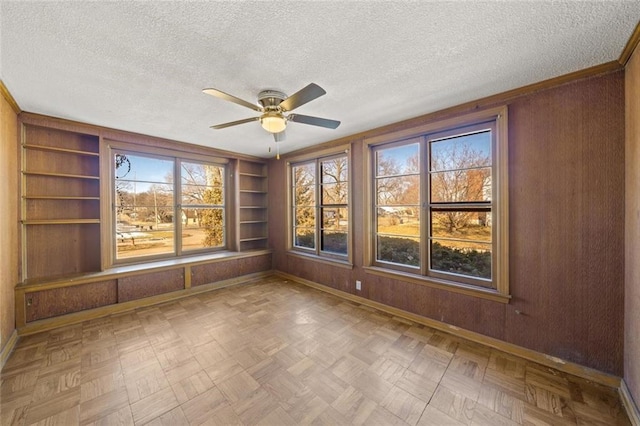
x=630, y=47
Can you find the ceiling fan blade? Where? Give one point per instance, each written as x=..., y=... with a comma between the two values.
x=227, y=97
x=314, y=121
x=279, y=137
x=234, y=123
x=301, y=97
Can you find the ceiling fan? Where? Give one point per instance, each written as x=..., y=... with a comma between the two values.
x=273, y=108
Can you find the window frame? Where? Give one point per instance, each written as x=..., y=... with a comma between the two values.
x=109, y=238
x=317, y=253
x=422, y=274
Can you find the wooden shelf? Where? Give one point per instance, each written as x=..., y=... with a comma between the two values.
x=56, y=149
x=60, y=213
x=252, y=209
x=62, y=175
x=56, y=197
x=60, y=221
x=253, y=239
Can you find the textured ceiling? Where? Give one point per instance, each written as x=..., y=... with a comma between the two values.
x=141, y=66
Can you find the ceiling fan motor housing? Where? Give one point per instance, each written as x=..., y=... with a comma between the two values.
x=271, y=98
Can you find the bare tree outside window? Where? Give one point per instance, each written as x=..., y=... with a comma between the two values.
x=320, y=198
x=459, y=204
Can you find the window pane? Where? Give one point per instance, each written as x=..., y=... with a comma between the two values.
x=334, y=170
x=334, y=193
x=401, y=250
x=398, y=190
x=144, y=206
x=305, y=217
x=202, y=184
x=461, y=152
x=465, y=258
x=399, y=160
x=201, y=174
x=460, y=224
x=335, y=219
x=202, y=195
x=305, y=195
x=461, y=186
x=398, y=221
x=304, y=174
x=202, y=228
x=305, y=237
x=143, y=169
x=139, y=240
x=334, y=241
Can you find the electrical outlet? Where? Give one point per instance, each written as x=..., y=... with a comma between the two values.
x=358, y=285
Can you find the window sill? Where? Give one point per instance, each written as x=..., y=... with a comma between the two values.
x=134, y=269
x=467, y=290
x=327, y=260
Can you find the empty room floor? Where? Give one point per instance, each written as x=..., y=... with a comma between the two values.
x=275, y=352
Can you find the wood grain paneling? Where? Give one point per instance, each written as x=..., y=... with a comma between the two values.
x=60, y=301
x=566, y=232
x=47, y=136
x=139, y=286
x=567, y=222
x=219, y=271
x=249, y=265
x=632, y=228
x=9, y=239
x=47, y=258
x=212, y=272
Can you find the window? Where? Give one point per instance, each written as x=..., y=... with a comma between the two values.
x=320, y=206
x=439, y=204
x=166, y=206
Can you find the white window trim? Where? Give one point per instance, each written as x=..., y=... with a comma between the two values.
x=499, y=179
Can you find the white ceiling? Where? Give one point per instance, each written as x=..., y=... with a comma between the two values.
x=141, y=66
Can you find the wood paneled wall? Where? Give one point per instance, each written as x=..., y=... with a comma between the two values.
x=9, y=242
x=566, y=193
x=632, y=228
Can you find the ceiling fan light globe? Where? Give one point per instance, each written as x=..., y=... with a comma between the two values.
x=273, y=123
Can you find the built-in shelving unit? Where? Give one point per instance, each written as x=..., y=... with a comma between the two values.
x=65, y=269
x=252, y=178
x=60, y=202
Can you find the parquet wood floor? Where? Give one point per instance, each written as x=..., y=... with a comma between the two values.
x=274, y=352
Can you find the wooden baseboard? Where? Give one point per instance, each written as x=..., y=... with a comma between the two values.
x=629, y=404
x=528, y=354
x=78, y=317
x=8, y=348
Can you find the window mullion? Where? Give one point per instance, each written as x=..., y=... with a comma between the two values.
x=318, y=206
x=177, y=224
x=425, y=211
